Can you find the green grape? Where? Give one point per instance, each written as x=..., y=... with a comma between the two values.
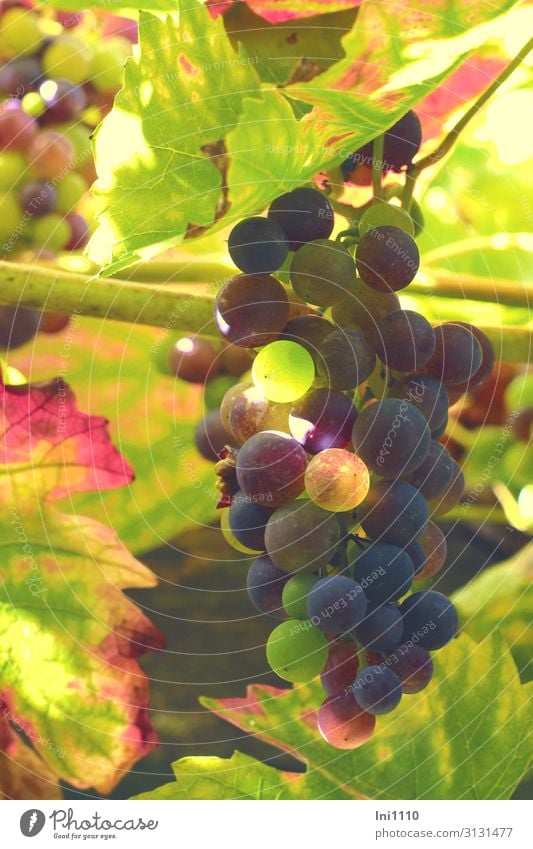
x=215, y=389
x=20, y=31
x=337, y=480
x=11, y=215
x=51, y=231
x=12, y=168
x=33, y=104
x=295, y=592
x=381, y=214
x=519, y=393
x=322, y=272
x=79, y=137
x=69, y=192
x=68, y=58
x=297, y=651
x=107, y=64
x=284, y=371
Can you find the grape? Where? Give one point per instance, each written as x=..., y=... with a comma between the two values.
x=252, y=412
x=210, y=436
x=17, y=130
x=258, y=246
x=435, y=473
x=116, y=25
x=251, y=310
x=382, y=214
x=392, y=437
x=301, y=536
x=37, y=199
x=284, y=371
x=296, y=651
x=107, y=64
x=247, y=520
x=265, y=583
x=271, y=466
x=295, y=593
x=308, y=331
x=80, y=139
x=364, y=309
x=337, y=480
x=382, y=627
x=384, y=571
x=322, y=272
x=401, y=143
x=426, y=394
x=21, y=31
x=324, y=418
x=64, y=101
x=68, y=19
x=457, y=356
x=11, y=216
x=51, y=231
x=387, y=259
x=347, y=359
x=480, y=377
x=377, y=689
x=12, y=169
x=19, y=77
x=406, y=340
x=430, y=619
x=193, y=359
x=70, y=191
x=17, y=326
x=413, y=666
x=235, y=360
x=79, y=232
x=343, y=724
x=53, y=322
x=230, y=537
x=393, y=512
x=68, y=58
x=443, y=504
x=50, y=155
x=435, y=549
x=341, y=669
x=336, y=604
x=304, y=215
x=417, y=555
x=228, y=400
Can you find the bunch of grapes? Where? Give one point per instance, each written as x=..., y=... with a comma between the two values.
x=333, y=473
x=58, y=75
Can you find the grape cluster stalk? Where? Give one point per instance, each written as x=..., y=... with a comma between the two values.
x=327, y=450
x=59, y=72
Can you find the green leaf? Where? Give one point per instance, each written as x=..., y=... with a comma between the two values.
x=70, y=682
x=153, y=418
x=502, y=597
x=464, y=737
x=191, y=106
x=155, y=164
x=238, y=777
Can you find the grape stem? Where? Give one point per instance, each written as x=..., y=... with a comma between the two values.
x=449, y=140
x=377, y=166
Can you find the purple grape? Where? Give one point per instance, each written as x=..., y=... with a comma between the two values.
x=265, y=583
x=324, y=418
x=413, y=666
x=37, y=199
x=336, y=604
x=377, y=689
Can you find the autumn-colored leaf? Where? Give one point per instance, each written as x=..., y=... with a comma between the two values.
x=277, y=11
x=23, y=774
x=69, y=677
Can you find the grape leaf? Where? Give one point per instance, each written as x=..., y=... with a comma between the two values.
x=502, y=597
x=162, y=153
x=69, y=676
x=464, y=737
x=112, y=5
x=24, y=775
x=277, y=11
x=153, y=417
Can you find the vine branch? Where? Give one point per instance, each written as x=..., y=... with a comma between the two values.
x=449, y=140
